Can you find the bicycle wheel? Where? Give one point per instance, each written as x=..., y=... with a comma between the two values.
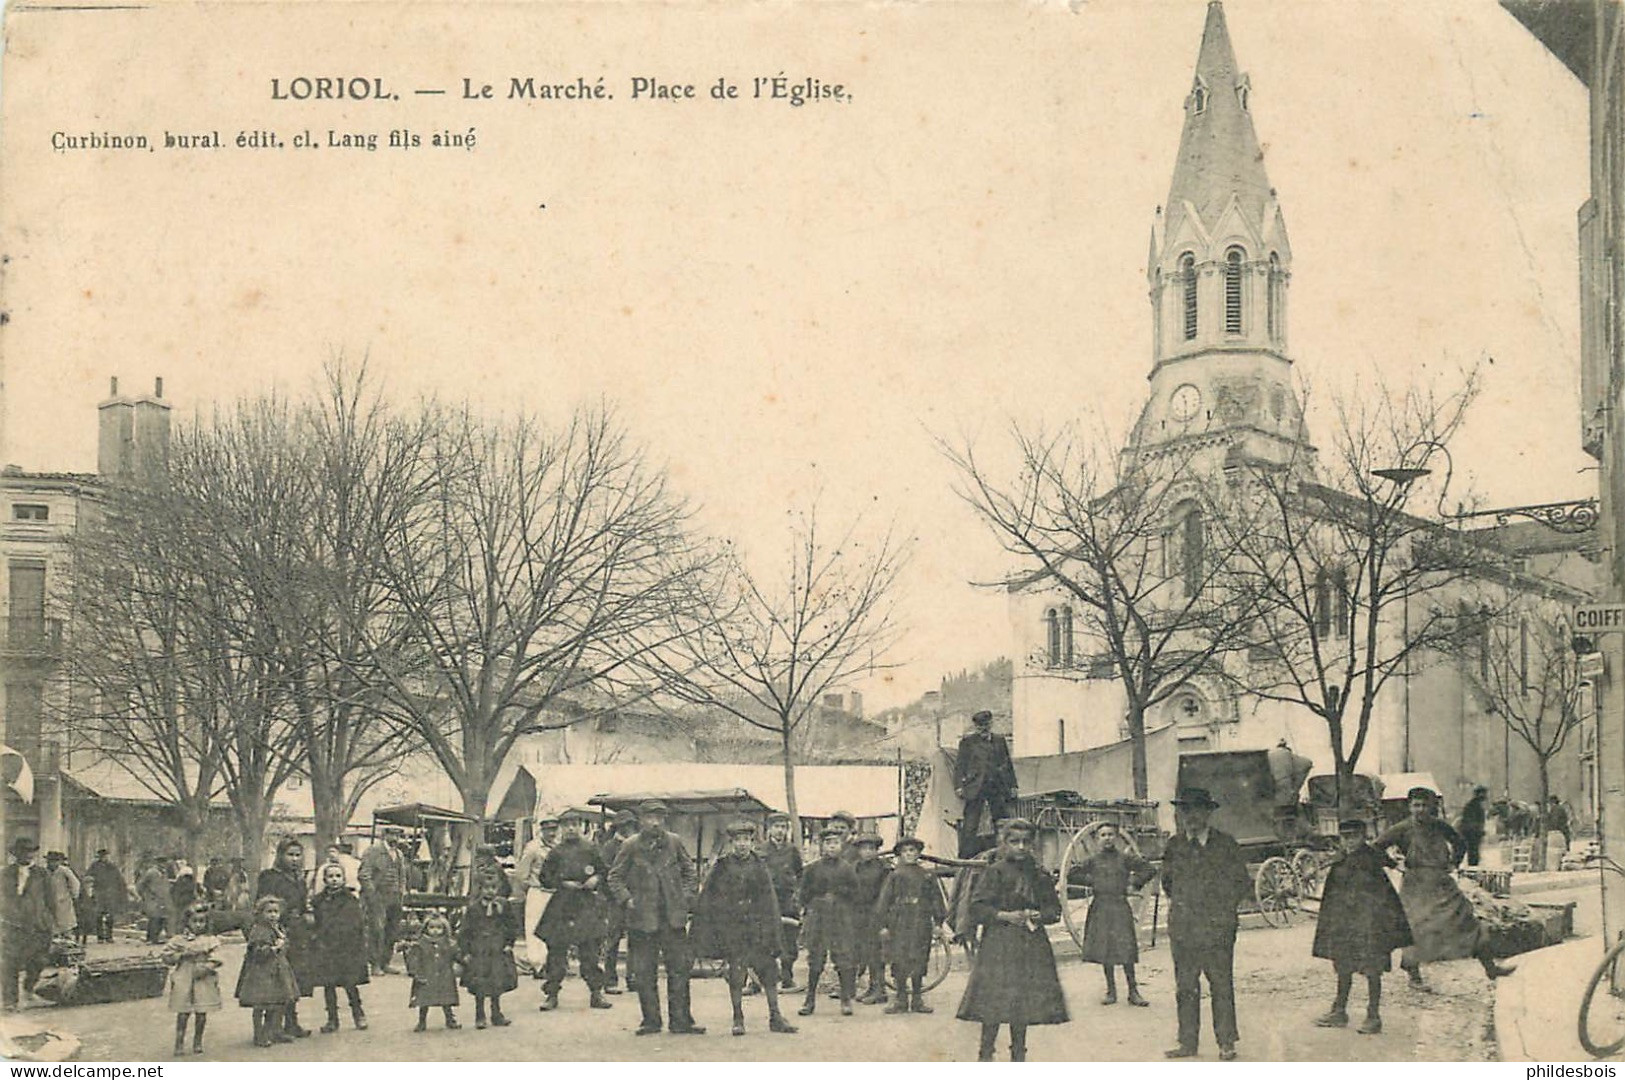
x=1602, y=1010
x=937, y=966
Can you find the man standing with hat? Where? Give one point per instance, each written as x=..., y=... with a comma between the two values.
x=577, y=915
x=654, y=880
x=108, y=893
x=1443, y=924
x=1204, y=875
x=985, y=779
x=382, y=874
x=527, y=876
x=783, y=858
x=25, y=919
x=624, y=828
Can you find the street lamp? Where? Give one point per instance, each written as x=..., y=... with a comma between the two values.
x=1568, y=516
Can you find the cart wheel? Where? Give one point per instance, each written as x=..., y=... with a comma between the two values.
x=937, y=966
x=1275, y=887
x=1075, y=898
x=1311, y=872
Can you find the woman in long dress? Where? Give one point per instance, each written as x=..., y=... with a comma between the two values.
x=1108, y=930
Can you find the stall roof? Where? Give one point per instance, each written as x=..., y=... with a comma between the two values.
x=735, y=800
x=413, y=814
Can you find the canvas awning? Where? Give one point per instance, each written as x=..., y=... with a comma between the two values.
x=413, y=815
x=731, y=800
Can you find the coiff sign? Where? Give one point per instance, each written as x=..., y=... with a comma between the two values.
x=1599, y=618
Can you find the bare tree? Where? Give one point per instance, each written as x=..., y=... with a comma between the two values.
x=765, y=649
x=541, y=565
x=1129, y=539
x=1523, y=664
x=1346, y=566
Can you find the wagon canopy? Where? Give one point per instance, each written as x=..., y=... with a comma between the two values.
x=729, y=800
x=415, y=815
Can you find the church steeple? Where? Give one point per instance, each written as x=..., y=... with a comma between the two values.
x=1218, y=271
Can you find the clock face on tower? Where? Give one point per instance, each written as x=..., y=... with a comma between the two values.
x=1185, y=403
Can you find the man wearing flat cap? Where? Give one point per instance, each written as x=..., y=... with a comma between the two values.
x=25, y=921
x=1204, y=876
x=783, y=858
x=382, y=877
x=624, y=827
x=985, y=779
x=654, y=880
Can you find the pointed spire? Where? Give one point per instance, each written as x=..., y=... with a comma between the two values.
x=1219, y=155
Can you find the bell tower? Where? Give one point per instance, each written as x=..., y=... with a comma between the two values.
x=1218, y=271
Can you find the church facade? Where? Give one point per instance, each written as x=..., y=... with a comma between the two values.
x=1221, y=397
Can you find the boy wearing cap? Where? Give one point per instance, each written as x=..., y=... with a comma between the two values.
x=1205, y=878
x=1014, y=980
x=1442, y=920
x=909, y=913
x=738, y=922
x=783, y=858
x=654, y=881
x=1361, y=923
x=577, y=914
x=871, y=873
x=828, y=888
x=25, y=918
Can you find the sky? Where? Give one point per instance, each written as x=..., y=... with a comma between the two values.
x=786, y=305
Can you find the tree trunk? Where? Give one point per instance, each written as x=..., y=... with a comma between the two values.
x=1545, y=766
x=251, y=825
x=329, y=805
x=790, y=783
x=194, y=826
x=1136, y=734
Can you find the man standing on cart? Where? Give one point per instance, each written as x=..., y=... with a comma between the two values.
x=985, y=779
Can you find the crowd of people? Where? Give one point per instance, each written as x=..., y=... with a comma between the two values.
x=759, y=907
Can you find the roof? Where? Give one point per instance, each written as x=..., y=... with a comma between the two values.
x=416, y=814
x=1219, y=154
x=730, y=800
x=112, y=782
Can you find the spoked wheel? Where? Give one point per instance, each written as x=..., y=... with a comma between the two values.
x=1075, y=897
x=937, y=966
x=1602, y=1010
x=1276, y=889
x=1311, y=872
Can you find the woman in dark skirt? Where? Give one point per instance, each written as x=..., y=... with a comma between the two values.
x=1108, y=930
x=1014, y=981
x=1361, y=923
x=285, y=880
x=338, y=947
x=485, y=946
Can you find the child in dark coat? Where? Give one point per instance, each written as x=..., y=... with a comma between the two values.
x=338, y=947
x=485, y=945
x=871, y=874
x=909, y=913
x=738, y=922
x=266, y=983
x=1361, y=923
x=828, y=888
x=1108, y=930
x=432, y=964
x=1014, y=979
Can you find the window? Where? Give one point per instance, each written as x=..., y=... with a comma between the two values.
x=1331, y=603
x=1340, y=598
x=1323, y=604
x=30, y=512
x=1244, y=90
x=1187, y=272
x=1156, y=313
x=1192, y=551
x=1060, y=736
x=1199, y=97
x=1052, y=619
x=25, y=706
x=27, y=592
x=1066, y=636
x=1274, y=297
x=1232, y=291
x=1523, y=653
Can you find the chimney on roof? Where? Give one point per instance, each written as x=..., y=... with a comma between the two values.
x=133, y=435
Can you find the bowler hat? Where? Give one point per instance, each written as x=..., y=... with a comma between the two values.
x=24, y=845
x=1351, y=825
x=909, y=842
x=983, y=717
x=866, y=839
x=652, y=806
x=1195, y=797
x=741, y=828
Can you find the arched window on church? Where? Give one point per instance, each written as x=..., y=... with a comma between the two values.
x=1052, y=620
x=1192, y=550
x=1199, y=98
x=1156, y=312
x=1066, y=637
x=1187, y=274
x=1232, y=290
x=1274, y=297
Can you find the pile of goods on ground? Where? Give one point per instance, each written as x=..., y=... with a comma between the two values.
x=1515, y=927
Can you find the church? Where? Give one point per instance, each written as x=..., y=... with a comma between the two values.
x=1222, y=398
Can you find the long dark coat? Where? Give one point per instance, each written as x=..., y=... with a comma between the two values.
x=655, y=881
x=485, y=943
x=871, y=875
x=574, y=916
x=266, y=977
x=26, y=919
x=737, y=917
x=1108, y=929
x=338, y=943
x=433, y=980
x=1361, y=920
x=910, y=909
x=1014, y=979
x=784, y=863
x=1204, y=886
x=110, y=893
x=289, y=886
x=829, y=889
